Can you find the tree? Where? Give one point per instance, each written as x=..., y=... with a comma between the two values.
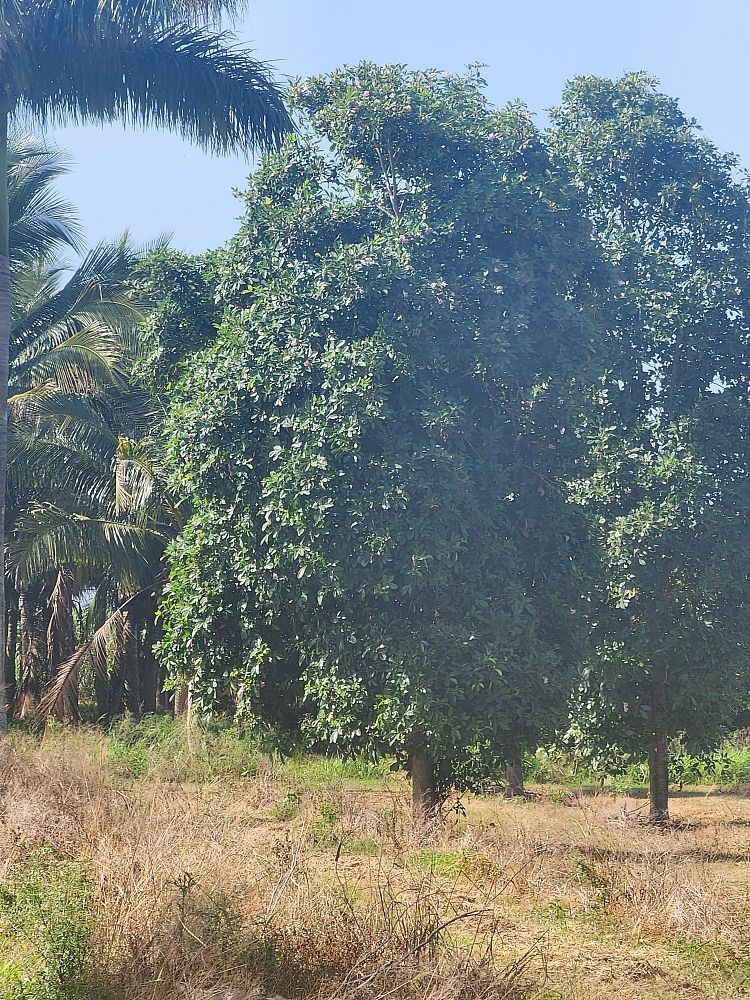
x=155, y=64
x=665, y=487
x=70, y=403
x=81, y=516
x=375, y=448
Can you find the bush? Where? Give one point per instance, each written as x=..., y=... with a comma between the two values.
x=45, y=925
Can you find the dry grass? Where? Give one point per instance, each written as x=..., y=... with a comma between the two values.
x=233, y=890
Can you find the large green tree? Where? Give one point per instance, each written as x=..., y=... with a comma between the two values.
x=666, y=489
x=376, y=447
x=151, y=64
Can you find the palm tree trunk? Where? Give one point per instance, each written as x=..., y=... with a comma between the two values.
x=132, y=639
x=149, y=666
x=101, y=683
x=30, y=658
x=4, y=363
x=61, y=642
x=100, y=664
x=11, y=644
x=658, y=757
x=123, y=650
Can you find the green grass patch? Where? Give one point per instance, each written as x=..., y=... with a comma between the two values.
x=437, y=862
x=318, y=773
x=45, y=930
x=162, y=747
x=362, y=845
x=727, y=767
x=715, y=961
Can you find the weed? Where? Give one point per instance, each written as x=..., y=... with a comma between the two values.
x=323, y=826
x=162, y=747
x=287, y=806
x=318, y=773
x=714, y=960
x=46, y=924
x=438, y=862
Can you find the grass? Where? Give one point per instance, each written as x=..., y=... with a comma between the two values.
x=727, y=767
x=137, y=866
x=45, y=928
x=437, y=862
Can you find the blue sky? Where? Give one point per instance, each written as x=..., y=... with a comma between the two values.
x=153, y=182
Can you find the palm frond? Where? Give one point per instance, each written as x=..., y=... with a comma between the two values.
x=47, y=536
x=95, y=648
x=41, y=223
x=90, y=357
x=97, y=292
x=180, y=77
x=77, y=16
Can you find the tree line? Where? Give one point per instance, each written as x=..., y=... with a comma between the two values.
x=442, y=457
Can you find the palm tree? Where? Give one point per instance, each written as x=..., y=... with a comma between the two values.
x=110, y=539
x=70, y=355
x=42, y=224
x=87, y=512
x=151, y=62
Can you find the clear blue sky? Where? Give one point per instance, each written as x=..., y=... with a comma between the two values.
x=154, y=182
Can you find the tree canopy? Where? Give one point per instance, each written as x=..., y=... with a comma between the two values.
x=668, y=454
x=376, y=447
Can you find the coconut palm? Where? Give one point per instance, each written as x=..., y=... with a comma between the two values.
x=156, y=62
x=110, y=540
x=81, y=513
x=70, y=354
x=42, y=224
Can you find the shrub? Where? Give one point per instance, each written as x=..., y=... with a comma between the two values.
x=45, y=922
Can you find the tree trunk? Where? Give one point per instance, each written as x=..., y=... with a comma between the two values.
x=165, y=701
x=30, y=655
x=181, y=698
x=101, y=682
x=658, y=757
x=61, y=642
x=4, y=374
x=101, y=670
x=115, y=705
x=11, y=604
x=424, y=797
x=149, y=666
x=131, y=635
x=125, y=687
x=514, y=780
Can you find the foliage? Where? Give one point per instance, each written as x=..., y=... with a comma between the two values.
x=183, y=316
x=376, y=447
x=667, y=461
x=45, y=921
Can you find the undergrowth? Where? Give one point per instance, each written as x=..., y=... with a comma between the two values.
x=136, y=865
x=45, y=929
x=726, y=767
